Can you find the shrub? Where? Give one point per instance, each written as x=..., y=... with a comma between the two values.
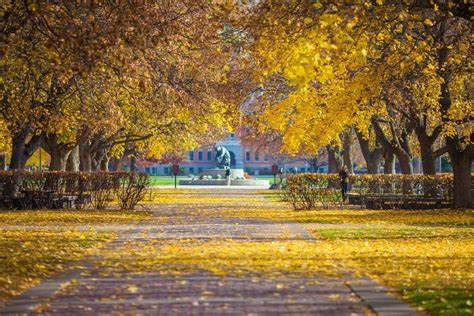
x=102, y=186
x=132, y=190
x=98, y=188
x=306, y=191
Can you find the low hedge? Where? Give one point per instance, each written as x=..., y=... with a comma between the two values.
x=307, y=190
x=101, y=186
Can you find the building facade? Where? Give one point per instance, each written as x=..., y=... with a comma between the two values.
x=245, y=156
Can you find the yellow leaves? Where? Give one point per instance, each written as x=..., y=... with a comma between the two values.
x=31, y=255
x=318, y=5
x=428, y=22
x=132, y=289
x=307, y=20
x=334, y=297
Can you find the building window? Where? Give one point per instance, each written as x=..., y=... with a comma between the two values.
x=232, y=136
x=199, y=169
x=247, y=155
x=191, y=170
x=200, y=155
x=167, y=171
x=191, y=155
x=257, y=157
x=265, y=157
x=209, y=155
x=147, y=170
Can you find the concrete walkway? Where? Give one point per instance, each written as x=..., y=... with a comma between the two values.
x=87, y=290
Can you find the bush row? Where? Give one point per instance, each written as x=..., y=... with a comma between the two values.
x=95, y=188
x=306, y=191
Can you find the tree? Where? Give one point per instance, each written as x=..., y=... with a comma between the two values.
x=366, y=64
x=99, y=77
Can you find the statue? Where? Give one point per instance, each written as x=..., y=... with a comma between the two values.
x=222, y=158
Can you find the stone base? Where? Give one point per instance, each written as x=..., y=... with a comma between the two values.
x=236, y=173
x=214, y=173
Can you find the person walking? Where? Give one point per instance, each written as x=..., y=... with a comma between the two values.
x=344, y=180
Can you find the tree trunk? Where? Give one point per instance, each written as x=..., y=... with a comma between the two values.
x=73, y=160
x=58, y=151
x=85, y=159
x=372, y=157
x=22, y=150
x=428, y=158
x=462, y=195
x=334, y=159
x=460, y=158
x=18, y=159
x=116, y=164
x=104, y=164
x=58, y=160
x=133, y=164
x=406, y=167
x=98, y=155
x=3, y=161
x=389, y=162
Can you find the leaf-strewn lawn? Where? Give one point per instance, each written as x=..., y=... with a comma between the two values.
x=427, y=255
x=36, y=244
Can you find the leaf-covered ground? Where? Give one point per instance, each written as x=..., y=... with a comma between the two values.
x=36, y=244
x=427, y=256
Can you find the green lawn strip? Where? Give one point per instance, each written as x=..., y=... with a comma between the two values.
x=444, y=301
x=169, y=181
x=165, y=180
x=417, y=218
x=392, y=232
x=444, y=296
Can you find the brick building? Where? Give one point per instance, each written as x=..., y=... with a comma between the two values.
x=244, y=155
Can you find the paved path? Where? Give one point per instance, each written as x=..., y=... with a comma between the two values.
x=86, y=290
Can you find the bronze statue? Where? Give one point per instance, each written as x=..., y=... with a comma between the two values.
x=222, y=158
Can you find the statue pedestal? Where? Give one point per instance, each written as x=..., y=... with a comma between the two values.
x=236, y=179
x=236, y=173
x=214, y=173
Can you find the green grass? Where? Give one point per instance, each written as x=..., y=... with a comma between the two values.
x=165, y=180
x=391, y=233
x=438, y=282
x=169, y=181
x=447, y=301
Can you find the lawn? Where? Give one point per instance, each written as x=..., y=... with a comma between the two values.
x=36, y=244
x=426, y=255
x=169, y=181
